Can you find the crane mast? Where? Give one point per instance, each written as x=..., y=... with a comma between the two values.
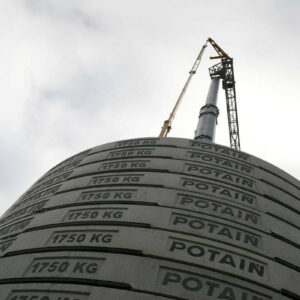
x=224, y=70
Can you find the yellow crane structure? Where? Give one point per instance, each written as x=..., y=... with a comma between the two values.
x=167, y=124
x=223, y=70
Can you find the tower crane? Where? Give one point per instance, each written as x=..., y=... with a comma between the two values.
x=224, y=71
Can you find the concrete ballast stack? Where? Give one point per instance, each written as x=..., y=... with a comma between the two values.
x=154, y=218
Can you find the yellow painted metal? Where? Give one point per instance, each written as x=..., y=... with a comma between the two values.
x=167, y=124
x=220, y=51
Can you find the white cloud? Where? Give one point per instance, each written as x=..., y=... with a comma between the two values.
x=75, y=74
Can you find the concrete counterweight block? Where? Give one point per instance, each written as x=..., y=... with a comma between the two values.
x=154, y=218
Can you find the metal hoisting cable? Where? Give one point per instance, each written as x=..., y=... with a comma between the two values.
x=167, y=124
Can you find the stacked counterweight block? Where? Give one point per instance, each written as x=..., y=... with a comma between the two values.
x=154, y=218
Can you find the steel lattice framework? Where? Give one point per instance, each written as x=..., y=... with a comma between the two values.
x=224, y=70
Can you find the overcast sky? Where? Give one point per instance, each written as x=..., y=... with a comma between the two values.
x=76, y=74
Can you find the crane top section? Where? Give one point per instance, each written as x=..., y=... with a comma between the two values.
x=222, y=54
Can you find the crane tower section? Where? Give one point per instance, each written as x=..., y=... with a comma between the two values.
x=224, y=70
